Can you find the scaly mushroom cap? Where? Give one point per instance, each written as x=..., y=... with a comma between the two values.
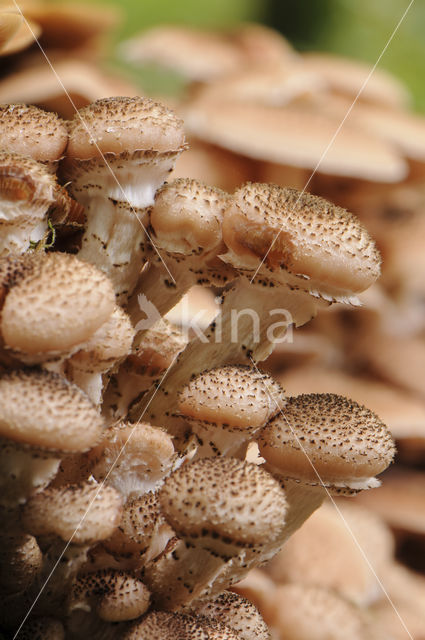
x=140, y=140
x=327, y=438
x=187, y=216
x=86, y=513
x=224, y=498
x=238, y=613
x=303, y=240
x=117, y=125
x=21, y=560
x=56, y=304
x=41, y=409
x=26, y=129
x=133, y=458
x=115, y=595
x=234, y=396
x=27, y=189
x=166, y=625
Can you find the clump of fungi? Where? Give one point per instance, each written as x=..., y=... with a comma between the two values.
x=144, y=474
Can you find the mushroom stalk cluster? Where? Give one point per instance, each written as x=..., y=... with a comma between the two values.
x=131, y=496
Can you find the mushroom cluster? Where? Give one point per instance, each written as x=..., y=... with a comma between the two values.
x=190, y=467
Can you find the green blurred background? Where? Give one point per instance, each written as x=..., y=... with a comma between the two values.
x=355, y=28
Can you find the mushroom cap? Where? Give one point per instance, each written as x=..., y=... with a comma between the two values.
x=224, y=498
x=26, y=129
x=43, y=410
x=27, y=189
x=238, y=613
x=167, y=625
x=118, y=596
x=56, y=306
x=316, y=244
x=329, y=436
x=22, y=38
x=83, y=514
x=296, y=135
x=195, y=54
x=121, y=124
x=9, y=25
x=349, y=76
x=235, y=396
x=187, y=216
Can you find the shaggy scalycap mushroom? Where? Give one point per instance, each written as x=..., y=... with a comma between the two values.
x=227, y=503
x=165, y=625
x=238, y=613
x=302, y=239
x=28, y=130
x=327, y=438
x=42, y=410
x=55, y=302
x=27, y=190
x=130, y=133
x=86, y=513
x=114, y=595
x=227, y=405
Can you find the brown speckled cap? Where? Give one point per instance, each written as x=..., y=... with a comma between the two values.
x=303, y=239
x=166, y=625
x=86, y=512
x=343, y=441
x=43, y=410
x=28, y=130
x=57, y=302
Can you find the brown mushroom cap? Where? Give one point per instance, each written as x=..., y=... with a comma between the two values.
x=237, y=397
x=115, y=595
x=85, y=513
x=43, y=410
x=302, y=238
x=238, y=613
x=166, y=625
x=224, y=498
x=329, y=438
x=42, y=629
x=26, y=129
x=116, y=125
x=56, y=306
x=27, y=189
x=187, y=216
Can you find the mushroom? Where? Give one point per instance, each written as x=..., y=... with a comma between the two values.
x=21, y=560
x=43, y=418
x=311, y=613
x=238, y=613
x=27, y=191
x=83, y=514
x=115, y=596
x=186, y=219
x=34, y=133
x=134, y=459
x=120, y=152
x=54, y=304
x=327, y=441
x=293, y=251
x=167, y=625
x=226, y=406
x=345, y=549
x=17, y=34
x=225, y=513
